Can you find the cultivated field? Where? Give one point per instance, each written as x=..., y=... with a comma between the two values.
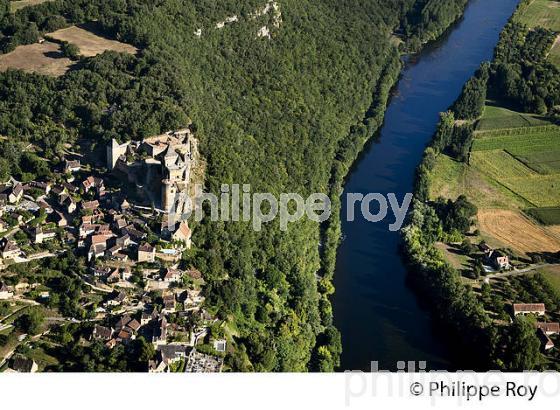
x=450, y=178
x=89, y=43
x=36, y=58
x=547, y=216
x=516, y=231
x=17, y=5
x=543, y=13
x=496, y=117
x=514, y=169
x=526, y=161
x=521, y=140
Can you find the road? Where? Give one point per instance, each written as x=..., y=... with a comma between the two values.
x=519, y=272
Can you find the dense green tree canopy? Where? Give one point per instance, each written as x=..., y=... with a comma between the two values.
x=285, y=114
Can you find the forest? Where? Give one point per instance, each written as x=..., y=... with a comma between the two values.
x=288, y=113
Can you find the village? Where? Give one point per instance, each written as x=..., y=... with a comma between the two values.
x=139, y=285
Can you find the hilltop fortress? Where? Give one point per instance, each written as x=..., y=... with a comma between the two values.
x=156, y=164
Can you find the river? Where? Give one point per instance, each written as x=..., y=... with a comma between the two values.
x=377, y=314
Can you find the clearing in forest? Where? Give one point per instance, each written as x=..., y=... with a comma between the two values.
x=18, y=5
x=554, y=56
x=45, y=58
x=91, y=44
x=543, y=13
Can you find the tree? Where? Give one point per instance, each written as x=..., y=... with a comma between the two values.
x=70, y=50
x=470, y=104
x=139, y=353
x=29, y=35
x=522, y=350
x=467, y=247
x=4, y=8
x=30, y=322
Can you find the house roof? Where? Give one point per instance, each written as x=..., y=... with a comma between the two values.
x=124, y=334
x=545, y=339
x=134, y=325
x=99, y=239
x=498, y=254
x=17, y=189
x=72, y=164
x=171, y=273
x=146, y=248
x=102, y=332
x=548, y=327
x=133, y=233
x=7, y=246
x=114, y=275
x=183, y=231
x=90, y=204
x=528, y=307
x=172, y=351
x=70, y=187
x=22, y=364
x=123, y=321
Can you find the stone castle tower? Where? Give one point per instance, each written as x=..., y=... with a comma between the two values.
x=163, y=162
x=168, y=194
x=114, y=151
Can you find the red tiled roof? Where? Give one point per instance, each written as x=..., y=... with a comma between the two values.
x=528, y=307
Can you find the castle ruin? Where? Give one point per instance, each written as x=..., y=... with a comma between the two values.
x=156, y=164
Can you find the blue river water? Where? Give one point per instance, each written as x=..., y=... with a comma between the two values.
x=377, y=314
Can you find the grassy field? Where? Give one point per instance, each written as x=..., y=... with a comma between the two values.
x=17, y=5
x=554, y=56
x=500, y=164
x=42, y=358
x=524, y=140
x=527, y=162
x=37, y=58
x=542, y=162
x=552, y=275
x=495, y=117
x=546, y=216
x=543, y=13
x=450, y=178
x=455, y=256
x=89, y=43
